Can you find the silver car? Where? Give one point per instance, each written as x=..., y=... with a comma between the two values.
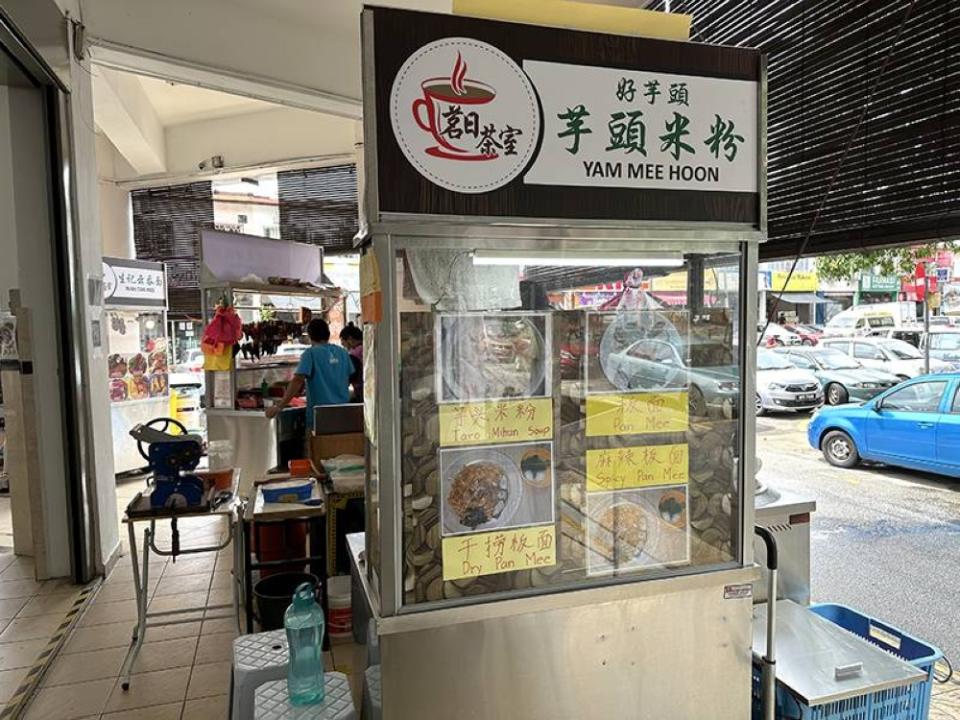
x=781, y=387
x=651, y=364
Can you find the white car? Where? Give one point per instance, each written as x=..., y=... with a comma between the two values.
x=781, y=387
x=895, y=356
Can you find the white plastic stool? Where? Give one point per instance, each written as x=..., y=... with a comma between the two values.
x=257, y=659
x=272, y=702
x=372, y=704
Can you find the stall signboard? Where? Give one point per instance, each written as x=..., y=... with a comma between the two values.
x=636, y=413
x=493, y=119
x=497, y=421
x=134, y=283
x=879, y=283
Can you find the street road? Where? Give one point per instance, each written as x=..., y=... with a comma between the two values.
x=885, y=541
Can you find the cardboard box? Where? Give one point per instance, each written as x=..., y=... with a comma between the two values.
x=328, y=446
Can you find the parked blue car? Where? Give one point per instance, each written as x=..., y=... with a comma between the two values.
x=914, y=425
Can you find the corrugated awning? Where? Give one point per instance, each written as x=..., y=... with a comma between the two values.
x=799, y=298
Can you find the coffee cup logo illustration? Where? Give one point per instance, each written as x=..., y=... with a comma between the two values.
x=465, y=115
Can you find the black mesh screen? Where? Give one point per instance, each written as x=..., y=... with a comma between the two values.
x=166, y=227
x=319, y=206
x=901, y=180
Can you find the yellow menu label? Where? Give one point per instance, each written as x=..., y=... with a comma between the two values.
x=499, y=551
x=637, y=467
x=491, y=422
x=636, y=413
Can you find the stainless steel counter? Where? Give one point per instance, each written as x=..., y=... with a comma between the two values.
x=788, y=517
x=663, y=648
x=810, y=649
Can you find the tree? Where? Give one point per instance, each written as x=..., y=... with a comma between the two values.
x=888, y=261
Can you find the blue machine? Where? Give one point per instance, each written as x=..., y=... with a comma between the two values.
x=171, y=459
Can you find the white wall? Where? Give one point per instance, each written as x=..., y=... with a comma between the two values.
x=116, y=221
x=87, y=194
x=265, y=137
x=307, y=45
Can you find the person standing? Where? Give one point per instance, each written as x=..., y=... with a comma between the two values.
x=324, y=369
x=351, y=337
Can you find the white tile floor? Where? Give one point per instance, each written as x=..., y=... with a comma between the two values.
x=182, y=672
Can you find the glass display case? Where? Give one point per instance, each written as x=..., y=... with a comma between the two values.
x=552, y=435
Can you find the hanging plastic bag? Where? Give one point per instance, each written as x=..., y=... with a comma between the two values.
x=219, y=337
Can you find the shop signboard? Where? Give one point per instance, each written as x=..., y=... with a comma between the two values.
x=480, y=118
x=134, y=283
x=677, y=282
x=879, y=284
x=800, y=281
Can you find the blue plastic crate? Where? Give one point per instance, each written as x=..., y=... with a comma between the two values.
x=904, y=703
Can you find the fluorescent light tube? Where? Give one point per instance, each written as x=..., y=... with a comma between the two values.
x=576, y=259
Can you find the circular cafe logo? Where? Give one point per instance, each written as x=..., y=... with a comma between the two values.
x=109, y=281
x=465, y=115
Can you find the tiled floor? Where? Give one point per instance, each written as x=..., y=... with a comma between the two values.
x=182, y=672
x=30, y=612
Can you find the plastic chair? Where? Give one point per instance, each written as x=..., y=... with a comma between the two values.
x=272, y=702
x=372, y=703
x=257, y=659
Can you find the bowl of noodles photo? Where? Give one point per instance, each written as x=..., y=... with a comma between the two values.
x=481, y=490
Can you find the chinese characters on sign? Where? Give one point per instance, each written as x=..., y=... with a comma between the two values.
x=496, y=421
x=499, y=551
x=636, y=467
x=636, y=413
x=619, y=128
x=465, y=115
x=134, y=282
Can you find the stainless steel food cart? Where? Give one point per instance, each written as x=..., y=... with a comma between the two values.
x=246, y=272
x=557, y=519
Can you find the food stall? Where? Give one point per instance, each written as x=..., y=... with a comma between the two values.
x=275, y=287
x=558, y=522
x=135, y=308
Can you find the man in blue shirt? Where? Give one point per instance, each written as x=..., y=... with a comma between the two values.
x=324, y=368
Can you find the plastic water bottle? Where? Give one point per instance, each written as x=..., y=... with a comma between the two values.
x=304, y=624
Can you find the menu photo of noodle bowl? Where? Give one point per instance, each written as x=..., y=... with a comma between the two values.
x=631, y=530
x=496, y=487
x=492, y=356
